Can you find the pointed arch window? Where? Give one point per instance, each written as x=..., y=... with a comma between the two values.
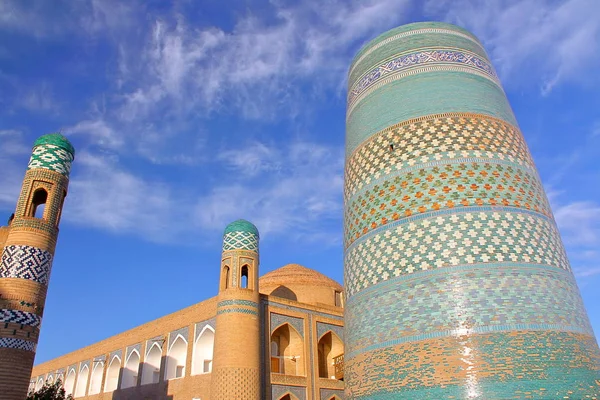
x=96, y=380
x=244, y=277
x=82, y=381
x=287, y=351
x=203, y=352
x=38, y=203
x=130, y=373
x=176, y=359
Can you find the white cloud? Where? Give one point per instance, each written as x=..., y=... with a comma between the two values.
x=103, y=195
x=546, y=42
x=579, y=222
x=98, y=131
x=298, y=200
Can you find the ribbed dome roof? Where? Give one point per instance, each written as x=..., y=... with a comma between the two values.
x=241, y=225
x=56, y=139
x=297, y=274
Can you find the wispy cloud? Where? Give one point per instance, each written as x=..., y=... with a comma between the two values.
x=543, y=41
x=300, y=198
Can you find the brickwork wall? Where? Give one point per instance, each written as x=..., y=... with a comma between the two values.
x=199, y=386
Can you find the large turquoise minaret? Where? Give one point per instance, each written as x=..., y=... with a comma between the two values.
x=457, y=282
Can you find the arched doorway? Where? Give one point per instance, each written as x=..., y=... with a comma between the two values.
x=82, y=381
x=112, y=374
x=287, y=351
x=151, y=367
x=176, y=358
x=203, y=352
x=130, y=372
x=329, y=347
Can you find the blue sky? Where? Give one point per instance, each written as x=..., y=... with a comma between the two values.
x=187, y=115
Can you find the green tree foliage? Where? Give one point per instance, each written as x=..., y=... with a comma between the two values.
x=52, y=391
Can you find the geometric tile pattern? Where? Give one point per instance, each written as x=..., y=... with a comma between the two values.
x=52, y=157
x=200, y=327
x=370, y=49
x=277, y=391
x=434, y=138
x=237, y=310
x=452, y=239
x=277, y=320
x=327, y=394
x=15, y=343
x=183, y=332
x=323, y=328
x=463, y=300
x=26, y=262
x=395, y=193
x=240, y=241
x=408, y=64
x=20, y=317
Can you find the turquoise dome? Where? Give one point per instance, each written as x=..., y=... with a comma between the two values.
x=55, y=139
x=241, y=225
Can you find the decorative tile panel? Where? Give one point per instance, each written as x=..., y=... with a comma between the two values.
x=240, y=241
x=327, y=394
x=183, y=332
x=451, y=239
x=201, y=325
x=26, y=262
x=52, y=157
x=20, y=317
x=131, y=348
x=278, y=391
x=15, y=343
x=323, y=328
x=412, y=63
x=278, y=319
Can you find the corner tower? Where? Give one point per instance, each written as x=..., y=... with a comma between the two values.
x=456, y=279
x=236, y=365
x=26, y=260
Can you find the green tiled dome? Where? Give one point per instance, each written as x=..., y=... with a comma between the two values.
x=241, y=225
x=56, y=139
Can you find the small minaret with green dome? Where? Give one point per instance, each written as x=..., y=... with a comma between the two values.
x=236, y=369
x=27, y=246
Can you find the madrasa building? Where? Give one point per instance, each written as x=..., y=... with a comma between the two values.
x=457, y=284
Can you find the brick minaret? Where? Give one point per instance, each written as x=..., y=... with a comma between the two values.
x=236, y=371
x=28, y=245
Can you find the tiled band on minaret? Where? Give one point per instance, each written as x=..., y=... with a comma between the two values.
x=28, y=245
x=457, y=282
x=236, y=369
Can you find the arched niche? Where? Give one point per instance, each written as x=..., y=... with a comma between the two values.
x=96, y=378
x=151, y=367
x=176, y=358
x=329, y=347
x=284, y=292
x=70, y=382
x=288, y=396
x=287, y=351
x=130, y=372
x=50, y=380
x=112, y=374
x=82, y=381
x=39, y=384
x=203, y=351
